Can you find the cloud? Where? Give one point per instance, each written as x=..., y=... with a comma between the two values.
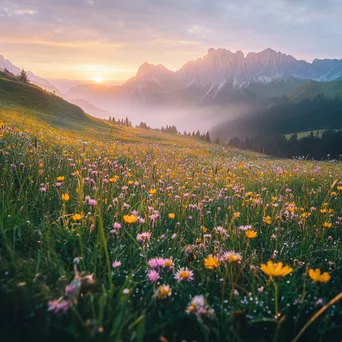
x=129, y=32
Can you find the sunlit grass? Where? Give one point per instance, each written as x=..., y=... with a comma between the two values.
x=138, y=235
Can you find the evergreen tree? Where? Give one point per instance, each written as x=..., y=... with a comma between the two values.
x=23, y=77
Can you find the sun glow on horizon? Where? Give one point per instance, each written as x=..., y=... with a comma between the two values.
x=98, y=79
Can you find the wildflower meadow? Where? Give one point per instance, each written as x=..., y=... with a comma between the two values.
x=172, y=240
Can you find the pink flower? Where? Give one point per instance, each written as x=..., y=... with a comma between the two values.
x=92, y=202
x=153, y=276
x=116, y=264
x=143, y=237
x=184, y=274
x=117, y=225
x=156, y=262
x=58, y=305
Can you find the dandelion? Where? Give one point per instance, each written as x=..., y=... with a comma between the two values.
x=168, y=263
x=251, y=234
x=319, y=277
x=60, y=178
x=327, y=225
x=130, y=219
x=276, y=269
x=76, y=217
x=211, y=262
x=65, y=197
x=172, y=216
x=184, y=274
x=267, y=220
x=113, y=179
x=152, y=191
x=163, y=292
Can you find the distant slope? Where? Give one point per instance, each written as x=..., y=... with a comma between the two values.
x=276, y=88
x=319, y=113
x=309, y=90
x=5, y=63
x=89, y=108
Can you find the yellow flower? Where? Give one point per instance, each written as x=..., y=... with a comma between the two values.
x=267, y=219
x=172, y=216
x=60, y=178
x=130, y=219
x=65, y=197
x=251, y=234
x=236, y=215
x=339, y=188
x=276, y=269
x=319, y=277
x=152, y=191
x=130, y=182
x=327, y=224
x=211, y=262
x=113, y=179
x=163, y=292
x=305, y=215
x=168, y=263
x=76, y=217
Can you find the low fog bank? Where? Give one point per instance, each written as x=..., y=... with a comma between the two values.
x=185, y=118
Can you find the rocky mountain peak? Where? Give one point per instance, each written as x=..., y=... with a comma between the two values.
x=147, y=70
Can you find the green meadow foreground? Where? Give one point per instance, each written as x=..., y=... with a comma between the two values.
x=135, y=235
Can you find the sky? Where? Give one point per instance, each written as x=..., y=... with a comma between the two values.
x=110, y=39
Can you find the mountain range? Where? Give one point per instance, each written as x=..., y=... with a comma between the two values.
x=221, y=86
x=227, y=81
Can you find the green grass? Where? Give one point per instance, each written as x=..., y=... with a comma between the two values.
x=300, y=135
x=309, y=90
x=48, y=255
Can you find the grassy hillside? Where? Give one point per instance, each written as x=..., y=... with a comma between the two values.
x=309, y=90
x=106, y=240
x=30, y=106
x=275, y=88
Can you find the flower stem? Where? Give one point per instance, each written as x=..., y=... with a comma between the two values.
x=276, y=297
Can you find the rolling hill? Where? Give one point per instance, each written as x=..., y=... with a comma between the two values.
x=29, y=105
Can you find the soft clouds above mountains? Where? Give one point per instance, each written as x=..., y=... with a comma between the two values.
x=87, y=38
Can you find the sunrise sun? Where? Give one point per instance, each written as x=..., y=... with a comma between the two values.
x=98, y=79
